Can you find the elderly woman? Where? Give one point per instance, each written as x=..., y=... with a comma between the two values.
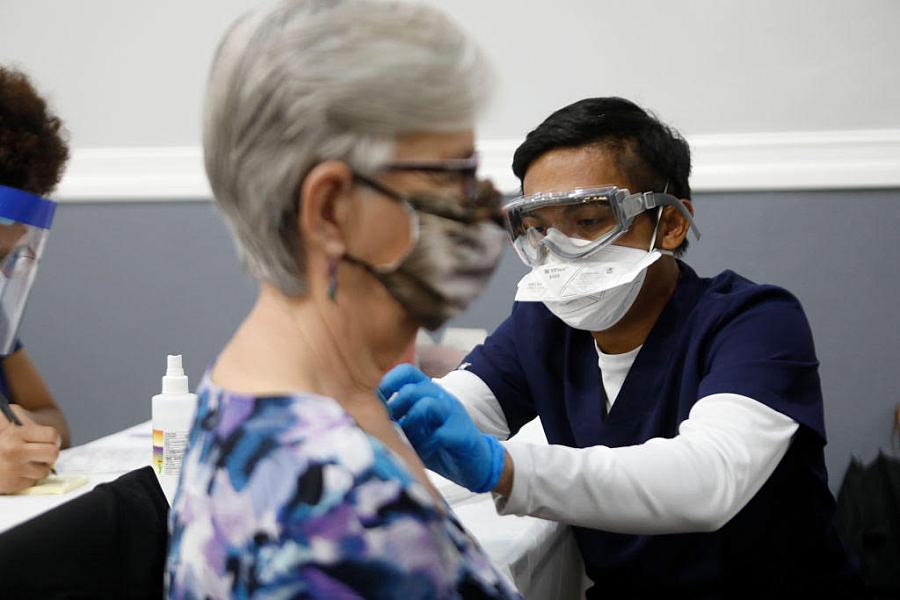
x=339, y=146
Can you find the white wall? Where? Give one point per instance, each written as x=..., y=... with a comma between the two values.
x=120, y=72
x=706, y=66
x=131, y=73
x=772, y=94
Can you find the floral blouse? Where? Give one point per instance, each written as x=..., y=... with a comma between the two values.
x=287, y=497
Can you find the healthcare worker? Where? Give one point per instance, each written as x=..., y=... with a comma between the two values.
x=684, y=414
x=33, y=154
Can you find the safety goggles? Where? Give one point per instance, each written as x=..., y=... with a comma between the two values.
x=577, y=223
x=25, y=221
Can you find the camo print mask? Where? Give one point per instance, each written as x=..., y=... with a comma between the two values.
x=455, y=254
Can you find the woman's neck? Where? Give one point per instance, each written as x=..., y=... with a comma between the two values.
x=291, y=344
x=288, y=345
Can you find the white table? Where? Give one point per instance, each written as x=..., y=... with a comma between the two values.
x=539, y=556
x=102, y=460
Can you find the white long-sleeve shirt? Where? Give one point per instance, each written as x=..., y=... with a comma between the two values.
x=697, y=481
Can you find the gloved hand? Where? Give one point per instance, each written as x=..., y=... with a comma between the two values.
x=441, y=431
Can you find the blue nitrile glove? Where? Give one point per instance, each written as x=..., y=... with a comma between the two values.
x=440, y=430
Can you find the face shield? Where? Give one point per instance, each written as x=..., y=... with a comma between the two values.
x=25, y=221
x=577, y=223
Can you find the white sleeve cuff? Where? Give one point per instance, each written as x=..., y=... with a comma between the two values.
x=478, y=400
x=518, y=501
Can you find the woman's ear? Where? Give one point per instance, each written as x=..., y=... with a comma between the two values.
x=674, y=227
x=324, y=205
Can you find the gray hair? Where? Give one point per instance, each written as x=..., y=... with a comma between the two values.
x=312, y=80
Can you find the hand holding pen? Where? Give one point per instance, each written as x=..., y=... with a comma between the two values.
x=27, y=450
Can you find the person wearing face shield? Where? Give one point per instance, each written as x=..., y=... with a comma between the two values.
x=339, y=146
x=32, y=158
x=684, y=414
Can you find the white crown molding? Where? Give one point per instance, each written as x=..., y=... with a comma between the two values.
x=813, y=160
x=161, y=173
x=824, y=160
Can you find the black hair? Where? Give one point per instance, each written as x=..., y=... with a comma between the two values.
x=33, y=150
x=650, y=155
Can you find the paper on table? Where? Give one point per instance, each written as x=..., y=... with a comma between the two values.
x=101, y=458
x=53, y=485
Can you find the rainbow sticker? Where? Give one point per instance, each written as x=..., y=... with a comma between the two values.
x=158, y=455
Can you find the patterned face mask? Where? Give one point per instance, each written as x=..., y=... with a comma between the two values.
x=454, y=256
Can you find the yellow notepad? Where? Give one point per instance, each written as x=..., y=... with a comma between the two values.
x=54, y=484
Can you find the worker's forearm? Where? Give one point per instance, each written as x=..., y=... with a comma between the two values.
x=694, y=482
x=504, y=486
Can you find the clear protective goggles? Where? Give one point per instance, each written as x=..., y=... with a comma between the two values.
x=576, y=223
x=25, y=221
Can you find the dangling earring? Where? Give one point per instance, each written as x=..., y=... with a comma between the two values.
x=332, y=278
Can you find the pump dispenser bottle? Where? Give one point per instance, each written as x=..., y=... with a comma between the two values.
x=172, y=413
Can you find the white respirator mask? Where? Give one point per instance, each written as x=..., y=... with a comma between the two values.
x=594, y=292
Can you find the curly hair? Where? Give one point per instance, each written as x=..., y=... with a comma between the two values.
x=33, y=151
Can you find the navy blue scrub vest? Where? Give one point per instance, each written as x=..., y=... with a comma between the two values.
x=720, y=335
x=4, y=381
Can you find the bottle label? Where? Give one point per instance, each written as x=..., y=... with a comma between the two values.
x=168, y=451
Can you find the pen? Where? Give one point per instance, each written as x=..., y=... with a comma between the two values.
x=7, y=411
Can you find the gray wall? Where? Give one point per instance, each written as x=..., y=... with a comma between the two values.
x=123, y=284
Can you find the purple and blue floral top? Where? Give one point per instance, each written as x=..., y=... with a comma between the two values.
x=287, y=497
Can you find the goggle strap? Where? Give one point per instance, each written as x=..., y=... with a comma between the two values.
x=653, y=200
x=662, y=251
x=655, y=230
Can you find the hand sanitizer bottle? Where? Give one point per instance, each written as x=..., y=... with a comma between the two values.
x=172, y=414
